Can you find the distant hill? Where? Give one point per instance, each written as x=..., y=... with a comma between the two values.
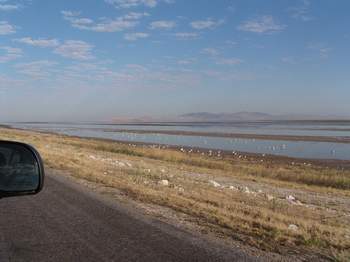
x=224, y=117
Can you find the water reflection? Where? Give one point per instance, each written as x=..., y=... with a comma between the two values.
x=299, y=149
x=336, y=129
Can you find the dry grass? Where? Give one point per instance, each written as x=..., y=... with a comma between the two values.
x=323, y=220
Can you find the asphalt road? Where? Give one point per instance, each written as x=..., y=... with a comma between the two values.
x=66, y=222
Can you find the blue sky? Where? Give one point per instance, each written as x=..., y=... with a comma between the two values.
x=102, y=59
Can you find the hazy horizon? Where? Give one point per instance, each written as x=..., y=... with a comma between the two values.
x=104, y=59
x=200, y=117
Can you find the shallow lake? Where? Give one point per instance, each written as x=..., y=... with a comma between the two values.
x=299, y=149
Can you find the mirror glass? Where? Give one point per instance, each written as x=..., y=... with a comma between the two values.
x=19, y=169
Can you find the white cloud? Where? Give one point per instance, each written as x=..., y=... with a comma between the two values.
x=8, y=7
x=324, y=52
x=140, y=76
x=10, y=54
x=77, y=50
x=82, y=67
x=288, y=60
x=137, y=67
x=229, y=61
x=188, y=61
x=206, y=24
x=116, y=25
x=230, y=43
x=263, y=24
x=321, y=48
x=135, y=15
x=186, y=35
x=67, y=13
x=301, y=12
x=161, y=78
x=6, y=28
x=37, y=69
x=41, y=42
x=73, y=18
x=210, y=51
x=213, y=54
x=135, y=36
x=133, y=3
x=127, y=21
x=162, y=24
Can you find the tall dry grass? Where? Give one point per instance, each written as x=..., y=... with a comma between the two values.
x=322, y=230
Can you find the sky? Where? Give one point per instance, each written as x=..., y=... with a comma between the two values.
x=99, y=60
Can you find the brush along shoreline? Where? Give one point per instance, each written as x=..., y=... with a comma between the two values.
x=294, y=209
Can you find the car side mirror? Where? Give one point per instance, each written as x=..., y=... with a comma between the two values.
x=21, y=170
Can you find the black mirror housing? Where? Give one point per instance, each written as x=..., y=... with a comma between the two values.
x=21, y=170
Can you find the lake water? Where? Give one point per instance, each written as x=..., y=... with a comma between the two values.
x=299, y=149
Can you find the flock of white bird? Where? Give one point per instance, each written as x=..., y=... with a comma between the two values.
x=164, y=139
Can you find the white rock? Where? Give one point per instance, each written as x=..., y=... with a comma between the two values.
x=164, y=182
x=128, y=164
x=293, y=227
x=269, y=197
x=181, y=189
x=290, y=198
x=162, y=170
x=233, y=188
x=246, y=190
x=120, y=164
x=214, y=183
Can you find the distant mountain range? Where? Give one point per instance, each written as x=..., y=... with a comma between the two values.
x=222, y=117
x=227, y=117
x=253, y=116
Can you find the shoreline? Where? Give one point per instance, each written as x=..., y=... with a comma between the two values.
x=268, y=159
x=271, y=137
x=330, y=139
